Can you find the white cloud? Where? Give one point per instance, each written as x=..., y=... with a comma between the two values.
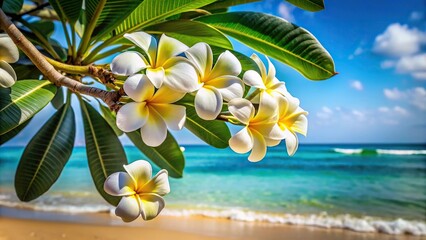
x=383, y=109
x=419, y=75
x=416, y=16
x=358, y=51
x=387, y=64
x=399, y=40
x=393, y=94
x=357, y=85
x=415, y=96
x=286, y=12
x=412, y=64
x=400, y=110
x=360, y=116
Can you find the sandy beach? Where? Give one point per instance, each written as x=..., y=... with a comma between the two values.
x=105, y=226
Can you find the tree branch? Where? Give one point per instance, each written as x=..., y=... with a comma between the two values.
x=109, y=97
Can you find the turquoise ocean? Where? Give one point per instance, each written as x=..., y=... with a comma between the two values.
x=364, y=188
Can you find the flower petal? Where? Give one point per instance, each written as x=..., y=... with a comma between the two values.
x=145, y=41
x=168, y=47
x=300, y=125
x=119, y=184
x=208, y=103
x=154, y=132
x=127, y=63
x=140, y=171
x=159, y=184
x=259, y=147
x=128, y=208
x=242, y=109
x=156, y=76
x=291, y=143
x=9, y=51
x=260, y=64
x=181, y=75
x=268, y=109
x=151, y=205
x=271, y=72
x=166, y=95
x=252, y=78
x=138, y=87
x=132, y=116
x=7, y=75
x=226, y=64
x=242, y=141
x=230, y=87
x=173, y=115
x=272, y=142
x=202, y=57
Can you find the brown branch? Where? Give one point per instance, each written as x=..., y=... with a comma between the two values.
x=109, y=97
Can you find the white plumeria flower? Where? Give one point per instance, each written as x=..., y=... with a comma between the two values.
x=266, y=81
x=9, y=54
x=141, y=194
x=218, y=83
x=162, y=64
x=261, y=129
x=152, y=111
x=292, y=119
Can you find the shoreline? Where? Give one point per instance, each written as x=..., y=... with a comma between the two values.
x=51, y=225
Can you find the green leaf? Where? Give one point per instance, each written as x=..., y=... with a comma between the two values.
x=22, y=101
x=12, y=6
x=277, y=38
x=154, y=11
x=67, y=10
x=46, y=155
x=46, y=28
x=12, y=133
x=26, y=71
x=223, y=4
x=167, y=156
x=109, y=116
x=104, y=151
x=310, y=5
x=58, y=99
x=112, y=15
x=215, y=132
x=190, y=33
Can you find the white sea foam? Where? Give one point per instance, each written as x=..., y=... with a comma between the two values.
x=400, y=152
x=359, y=224
x=348, y=151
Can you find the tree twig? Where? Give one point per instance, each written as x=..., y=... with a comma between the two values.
x=109, y=97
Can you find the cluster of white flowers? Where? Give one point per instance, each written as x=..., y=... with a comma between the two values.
x=8, y=54
x=167, y=70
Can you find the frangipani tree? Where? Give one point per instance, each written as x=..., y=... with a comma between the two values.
x=174, y=67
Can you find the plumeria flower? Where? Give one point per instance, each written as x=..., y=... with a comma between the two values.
x=162, y=65
x=292, y=119
x=141, y=194
x=152, y=111
x=218, y=83
x=266, y=81
x=9, y=54
x=261, y=129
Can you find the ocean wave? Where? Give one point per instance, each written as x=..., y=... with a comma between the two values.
x=365, y=151
x=359, y=224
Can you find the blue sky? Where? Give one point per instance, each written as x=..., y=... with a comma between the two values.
x=379, y=95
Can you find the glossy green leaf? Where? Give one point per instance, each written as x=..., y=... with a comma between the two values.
x=45, y=28
x=12, y=6
x=154, y=11
x=310, y=5
x=109, y=116
x=190, y=33
x=104, y=150
x=167, y=156
x=46, y=155
x=222, y=4
x=277, y=38
x=67, y=10
x=215, y=132
x=26, y=71
x=58, y=99
x=113, y=14
x=22, y=101
x=12, y=133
